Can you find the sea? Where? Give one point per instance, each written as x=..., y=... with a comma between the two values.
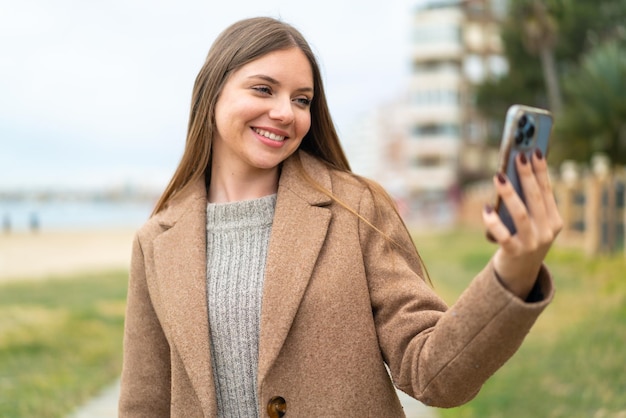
x=31, y=215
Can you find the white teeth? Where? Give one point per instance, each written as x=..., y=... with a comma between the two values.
x=269, y=135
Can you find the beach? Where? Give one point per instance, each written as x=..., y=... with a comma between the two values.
x=57, y=253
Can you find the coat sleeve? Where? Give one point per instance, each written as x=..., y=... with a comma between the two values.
x=145, y=382
x=437, y=355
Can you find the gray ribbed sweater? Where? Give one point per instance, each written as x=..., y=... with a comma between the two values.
x=237, y=239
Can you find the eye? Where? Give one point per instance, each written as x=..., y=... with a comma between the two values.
x=303, y=101
x=262, y=89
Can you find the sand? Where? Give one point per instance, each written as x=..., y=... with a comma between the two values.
x=49, y=254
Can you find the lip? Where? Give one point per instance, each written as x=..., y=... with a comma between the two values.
x=268, y=142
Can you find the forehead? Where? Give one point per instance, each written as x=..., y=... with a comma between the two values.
x=283, y=65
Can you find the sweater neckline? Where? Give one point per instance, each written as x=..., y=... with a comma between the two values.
x=241, y=214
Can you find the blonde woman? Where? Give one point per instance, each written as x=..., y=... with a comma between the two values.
x=271, y=281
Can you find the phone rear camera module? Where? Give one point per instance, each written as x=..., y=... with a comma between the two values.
x=525, y=131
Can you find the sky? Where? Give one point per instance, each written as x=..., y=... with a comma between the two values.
x=96, y=93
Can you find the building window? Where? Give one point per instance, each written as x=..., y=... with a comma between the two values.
x=475, y=9
x=474, y=68
x=439, y=67
x=443, y=129
x=436, y=97
x=428, y=161
x=474, y=132
x=436, y=34
x=498, y=65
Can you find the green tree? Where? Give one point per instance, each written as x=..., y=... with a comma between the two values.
x=594, y=119
x=572, y=28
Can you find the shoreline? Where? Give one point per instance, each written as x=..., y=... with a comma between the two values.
x=50, y=253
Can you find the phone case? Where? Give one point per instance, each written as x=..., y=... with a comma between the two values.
x=525, y=129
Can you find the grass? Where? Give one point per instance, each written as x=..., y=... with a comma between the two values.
x=60, y=342
x=573, y=362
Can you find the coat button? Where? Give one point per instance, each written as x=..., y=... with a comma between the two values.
x=277, y=407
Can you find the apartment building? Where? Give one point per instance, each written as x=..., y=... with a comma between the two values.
x=455, y=45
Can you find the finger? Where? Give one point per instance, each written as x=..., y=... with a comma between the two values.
x=540, y=167
x=516, y=207
x=532, y=190
x=535, y=202
x=496, y=230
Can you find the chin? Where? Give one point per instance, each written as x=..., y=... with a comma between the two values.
x=270, y=161
x=266, y=163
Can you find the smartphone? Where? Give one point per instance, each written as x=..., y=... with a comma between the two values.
x=525, y=129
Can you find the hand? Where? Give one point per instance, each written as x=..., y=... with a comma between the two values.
x=520, y=256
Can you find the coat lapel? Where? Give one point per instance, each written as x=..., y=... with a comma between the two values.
x=180, y=263
x=298, y=234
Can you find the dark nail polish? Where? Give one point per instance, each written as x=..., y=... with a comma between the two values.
x=501, y=178
x=538, y=154
x=488, y=208
x=523, y=159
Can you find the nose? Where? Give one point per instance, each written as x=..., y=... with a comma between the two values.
x=282, y=110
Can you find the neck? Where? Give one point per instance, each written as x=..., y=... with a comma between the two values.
x=227, y=187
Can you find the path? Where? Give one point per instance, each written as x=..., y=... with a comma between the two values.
x=102, y=406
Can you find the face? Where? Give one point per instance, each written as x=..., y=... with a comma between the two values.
x=263, y=112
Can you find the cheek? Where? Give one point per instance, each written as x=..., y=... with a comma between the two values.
x=220, y=116
x=304, y=124
x=228, y=119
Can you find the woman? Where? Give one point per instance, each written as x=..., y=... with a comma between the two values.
x=271, y=280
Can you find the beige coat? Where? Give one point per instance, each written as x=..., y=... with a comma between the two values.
x=338, y=304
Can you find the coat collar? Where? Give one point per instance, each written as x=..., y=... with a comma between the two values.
x=193, y=199
x=300, y=225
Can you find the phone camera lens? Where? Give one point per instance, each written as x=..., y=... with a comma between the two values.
x=519, y=136
x=530, y=130
x=522, y=121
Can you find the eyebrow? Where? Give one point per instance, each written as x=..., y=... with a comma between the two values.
x=277, y=83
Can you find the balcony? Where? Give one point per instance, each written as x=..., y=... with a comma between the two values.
x=437, y=51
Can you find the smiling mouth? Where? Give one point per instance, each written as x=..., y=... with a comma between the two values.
x=269, y=135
